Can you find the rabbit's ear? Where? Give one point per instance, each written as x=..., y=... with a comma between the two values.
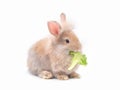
x=63, y=17
x=54, y=28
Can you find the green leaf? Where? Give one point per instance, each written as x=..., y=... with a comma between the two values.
x=77, y=58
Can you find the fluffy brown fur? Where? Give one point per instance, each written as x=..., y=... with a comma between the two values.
x=50, y=57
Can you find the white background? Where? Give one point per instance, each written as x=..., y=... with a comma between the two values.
x=97, y=24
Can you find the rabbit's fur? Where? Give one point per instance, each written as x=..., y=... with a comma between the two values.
x=50, y=57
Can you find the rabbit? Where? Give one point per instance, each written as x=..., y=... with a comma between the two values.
x=49, y=58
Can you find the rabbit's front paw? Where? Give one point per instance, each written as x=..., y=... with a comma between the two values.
x=62, y=77
x=74, y=75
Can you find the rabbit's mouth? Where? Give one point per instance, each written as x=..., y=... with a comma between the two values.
x=69, y=50
x=76, y=51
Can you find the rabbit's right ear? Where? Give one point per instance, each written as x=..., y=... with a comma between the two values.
x=54, y=28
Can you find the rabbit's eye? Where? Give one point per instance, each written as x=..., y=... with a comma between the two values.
x=67, y=41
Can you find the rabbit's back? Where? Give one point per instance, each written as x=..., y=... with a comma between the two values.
x=38, y=59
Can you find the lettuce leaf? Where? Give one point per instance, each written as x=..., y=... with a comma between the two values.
x=77, y=58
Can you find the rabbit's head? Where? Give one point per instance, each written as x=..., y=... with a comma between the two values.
x=64, y=37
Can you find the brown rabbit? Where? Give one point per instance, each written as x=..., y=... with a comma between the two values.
x=50, y=57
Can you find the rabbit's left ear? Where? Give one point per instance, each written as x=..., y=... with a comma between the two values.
x=63, y=17
x=54, y=28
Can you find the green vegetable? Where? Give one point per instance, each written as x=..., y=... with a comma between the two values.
x=77, y=58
